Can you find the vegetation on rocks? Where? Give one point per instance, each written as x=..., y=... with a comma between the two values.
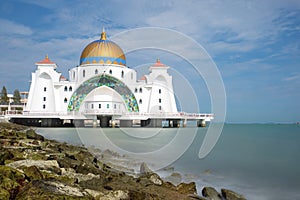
x=32, y=167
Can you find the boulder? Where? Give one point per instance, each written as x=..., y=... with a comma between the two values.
x=154, y=178
x=4, y=194
x=187, y=188
x=43, y=189
x=50, y=165
x=231, y=195
x=114, y=195
x=5, y=155
x=211, y=193
x=144, y=169
x=31, y=134
x=174, y=178
x=33, y=173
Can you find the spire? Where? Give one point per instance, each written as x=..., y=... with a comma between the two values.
x=103, y=34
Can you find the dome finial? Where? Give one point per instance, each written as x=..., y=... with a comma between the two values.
x=46, y=57
x=103, y=34
x=158, y=60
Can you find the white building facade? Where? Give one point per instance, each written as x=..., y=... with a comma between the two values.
x=102, y=89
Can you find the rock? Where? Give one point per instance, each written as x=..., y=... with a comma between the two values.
x=31, y=134
x=11, y=180
x=4, y=194
x=5, y=155
x=33, y=173
x=187, y=188
x=195, y=197
x=43, y=189
x=50, y=165
x=231, y=195
x=114, y=195
x=154, y=178
x=71, y=173
x=94, y=193
x=211, y=193
x=144, y=169
x=174, y=178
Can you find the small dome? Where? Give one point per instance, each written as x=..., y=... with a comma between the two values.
x=103, y=51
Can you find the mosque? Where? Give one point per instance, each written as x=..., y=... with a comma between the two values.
x=103, y=92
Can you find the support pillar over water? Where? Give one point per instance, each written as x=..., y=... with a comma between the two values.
x=176, y=123
x=184, y=122
x=78, y=122
x=145, y=123
x=104, y=121
x=95, y=123
x=126, y=123
x=201, y=123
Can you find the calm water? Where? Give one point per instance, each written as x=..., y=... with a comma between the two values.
x=259, y=161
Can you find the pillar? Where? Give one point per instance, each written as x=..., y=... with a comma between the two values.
x=184, y=122
x=126, y=123
x=201, y=123
x=104, y=121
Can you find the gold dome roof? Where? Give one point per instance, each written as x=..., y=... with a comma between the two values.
x=102, y=51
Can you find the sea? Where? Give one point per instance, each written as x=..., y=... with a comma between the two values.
x=260, y=161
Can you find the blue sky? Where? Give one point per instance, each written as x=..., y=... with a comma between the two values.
x=255, y=45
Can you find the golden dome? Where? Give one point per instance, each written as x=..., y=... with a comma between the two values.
x=102, y=51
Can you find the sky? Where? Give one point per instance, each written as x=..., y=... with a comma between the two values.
x=254, y=44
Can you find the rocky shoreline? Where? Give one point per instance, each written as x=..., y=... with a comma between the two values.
x=32, y=167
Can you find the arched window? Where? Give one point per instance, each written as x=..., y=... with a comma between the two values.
x=45, y=89
x=140, y=102
x=44, y=106
x=159, y=100
x=122, y=74
x=70, y=89
x=135, y=90
x=159, y=91
x=96, y=71
x=83, y=73
x=110, y=71
x=44, y=98
x=141, y=90
x=66, y=88
x=65, y=100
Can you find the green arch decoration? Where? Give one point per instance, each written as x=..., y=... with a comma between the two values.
x=103, y=80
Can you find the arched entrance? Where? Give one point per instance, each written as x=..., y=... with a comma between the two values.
x=103, y=80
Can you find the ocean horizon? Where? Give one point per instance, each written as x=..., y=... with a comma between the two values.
x=259, y=161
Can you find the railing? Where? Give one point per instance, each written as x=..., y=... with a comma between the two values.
x=103, y=112
x=181, y=115
x=12, y=112
x=171, y=115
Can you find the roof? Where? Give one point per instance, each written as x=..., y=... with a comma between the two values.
x=158, y=64
x=46, y=61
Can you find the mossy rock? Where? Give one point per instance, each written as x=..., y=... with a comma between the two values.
x=4, y=194
x=33, y=173
x=37, y=156
x=8, y=184
x=42, y=191
x=5, y=155
x=11, y=173
x=31, y=134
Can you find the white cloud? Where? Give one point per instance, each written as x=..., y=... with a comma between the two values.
x=9, y=27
